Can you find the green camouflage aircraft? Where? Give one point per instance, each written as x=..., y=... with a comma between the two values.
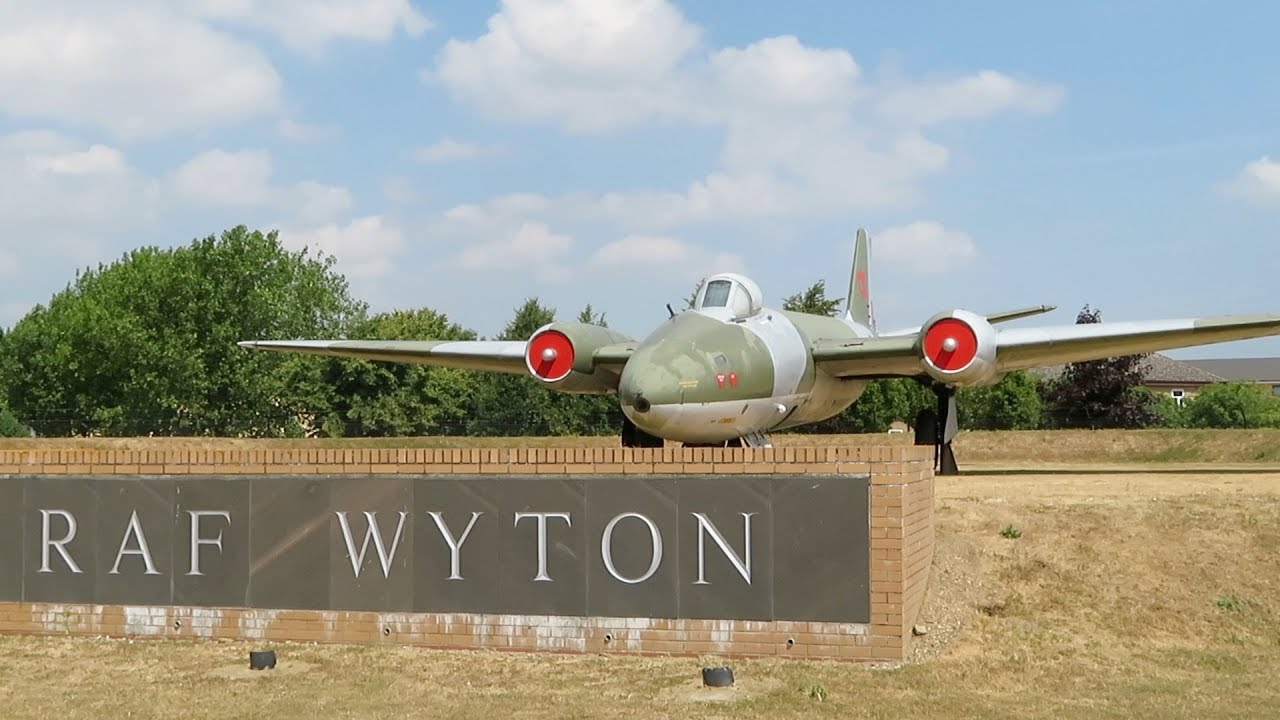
x=728, y=370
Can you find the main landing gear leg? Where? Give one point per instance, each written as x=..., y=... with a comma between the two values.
x=944, y=460
x=938, y=429
x=633, y=436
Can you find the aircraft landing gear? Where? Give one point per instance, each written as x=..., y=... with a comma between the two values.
x=755, y=439
x=938, y=429
x=633, y=436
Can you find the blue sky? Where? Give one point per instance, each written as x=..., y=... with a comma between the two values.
x=465, y=156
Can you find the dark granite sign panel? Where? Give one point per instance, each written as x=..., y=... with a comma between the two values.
x=211, y=541
x=632, y=547
x=721, y=547
x=60, y=550
x=12, y=533
x=134, y=540
x=289, y=542
x=371, y=549
x=543, y=545
x=456, y=555
x=726, y=534
x=820, y=527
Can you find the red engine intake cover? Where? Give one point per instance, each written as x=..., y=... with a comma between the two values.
x=549, y=355
x=964, y=351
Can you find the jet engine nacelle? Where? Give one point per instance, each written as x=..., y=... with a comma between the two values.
x=958, y=347
x=560, y=355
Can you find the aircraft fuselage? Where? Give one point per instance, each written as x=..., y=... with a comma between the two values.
x=704, y=376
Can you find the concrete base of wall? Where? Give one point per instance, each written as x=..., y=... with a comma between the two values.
x=546, y=633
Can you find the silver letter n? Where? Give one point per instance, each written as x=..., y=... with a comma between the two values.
x=742, y=565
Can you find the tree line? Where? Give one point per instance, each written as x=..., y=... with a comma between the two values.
x=146, y=345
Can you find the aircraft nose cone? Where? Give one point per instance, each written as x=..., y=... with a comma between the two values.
x=645, y=401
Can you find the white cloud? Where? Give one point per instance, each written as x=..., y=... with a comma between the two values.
x=589, y=65
x=312, y=202
x=401, y=190
x=97, y=160
x=923, y=247
x=218, y=177
x=973, y=96
x=67, y=196
x=134, y=69
x=449, y=149
x=664, y=255
x=156, y=67
x=804, y=133
x=74, y=200
x=296, y=131
x=46, y=177
x=243, y=179
x=509, y=204
x=310, y=24
x=533, y=247
x=1258, y=181
x=782, y=72
x=366, y=247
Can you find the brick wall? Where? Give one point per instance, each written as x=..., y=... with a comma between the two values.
x=901, y=546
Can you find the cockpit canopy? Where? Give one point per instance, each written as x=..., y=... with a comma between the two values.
x=729, y=293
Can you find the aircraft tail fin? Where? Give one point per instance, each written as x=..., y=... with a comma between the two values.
x=858, y=303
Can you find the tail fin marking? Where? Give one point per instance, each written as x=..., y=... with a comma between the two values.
x=858, y=303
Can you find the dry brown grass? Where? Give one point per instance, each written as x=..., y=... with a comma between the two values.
x=1035, y=448
x=1126, y=595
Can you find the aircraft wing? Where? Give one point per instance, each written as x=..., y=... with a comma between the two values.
x=995, y=317
x=505, y=356
x=613, y=356
x=871, y=357
x=1023, y=348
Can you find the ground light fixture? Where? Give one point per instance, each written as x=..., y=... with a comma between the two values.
x=717, y=676
x=262, y=659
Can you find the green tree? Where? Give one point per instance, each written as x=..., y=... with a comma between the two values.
x=371, y=398
x=1014, y=403
x=10, y=426
x=813, y=301
x=882, y=403
x=586, y=414
x=147, y=344
x=588, y=316
x=1237, y=404
x=1100, y=393
x=888, y=401
x=508, y=404
x=1169, y=413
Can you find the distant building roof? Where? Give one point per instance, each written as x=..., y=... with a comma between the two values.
x=1265, y=370
x=1156, y=368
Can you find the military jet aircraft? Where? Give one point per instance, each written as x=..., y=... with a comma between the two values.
x=729, y=370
